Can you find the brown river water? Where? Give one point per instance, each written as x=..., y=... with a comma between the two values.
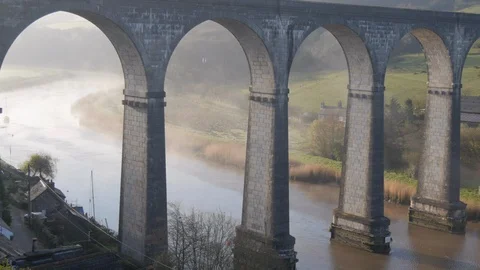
x=40, y=120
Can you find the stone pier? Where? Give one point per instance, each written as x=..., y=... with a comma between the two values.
x=263, y=239
x=437, y=203
x=359, y=220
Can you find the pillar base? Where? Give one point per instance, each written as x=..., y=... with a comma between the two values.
x=367, y=234
x=255, y=251
x=442, y=216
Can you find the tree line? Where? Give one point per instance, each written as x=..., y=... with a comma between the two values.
x=404, y=126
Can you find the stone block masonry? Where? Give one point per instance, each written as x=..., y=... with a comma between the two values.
x=437, y=202
x=133, y=187
x=359, y=220
x=145, y=34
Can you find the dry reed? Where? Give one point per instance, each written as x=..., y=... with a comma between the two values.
x=225, y=154
x=314, y=173
x=398, y=192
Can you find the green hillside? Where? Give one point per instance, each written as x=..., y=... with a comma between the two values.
x=406, y=78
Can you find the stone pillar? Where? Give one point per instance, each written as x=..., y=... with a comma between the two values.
x=263, y=239
x=143, y=199
x=359, y=220
x=437, y=203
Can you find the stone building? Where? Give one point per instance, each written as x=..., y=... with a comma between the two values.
x=45, y=197
x=336, y=112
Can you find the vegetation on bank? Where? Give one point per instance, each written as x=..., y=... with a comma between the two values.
x=304, y=167
x=213, y=127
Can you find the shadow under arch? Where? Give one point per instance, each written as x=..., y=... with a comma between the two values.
x=472, y=49
x=129, y=52
x=262, y=76
x=439, y=65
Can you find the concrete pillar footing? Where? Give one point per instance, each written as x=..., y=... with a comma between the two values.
x=255, y=251
x=442, y=216
x=367, y=234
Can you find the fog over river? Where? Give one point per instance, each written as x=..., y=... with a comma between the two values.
x=41, y=120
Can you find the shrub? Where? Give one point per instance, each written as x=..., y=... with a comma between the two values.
x=470, y=147
x=325, y=138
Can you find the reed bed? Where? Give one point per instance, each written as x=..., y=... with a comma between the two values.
x=314, y=174
x=398, y=192
x=225, y=154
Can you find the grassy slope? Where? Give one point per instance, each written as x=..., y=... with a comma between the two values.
x=405, y=79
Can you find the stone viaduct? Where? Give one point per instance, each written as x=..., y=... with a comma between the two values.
x=145, y=34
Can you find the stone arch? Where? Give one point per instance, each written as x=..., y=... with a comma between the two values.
x=469, y=46
x=129, y=51
x=262, y=77
x=439, y=64
x=358, y=58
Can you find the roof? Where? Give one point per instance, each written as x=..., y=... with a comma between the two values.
x=41, y=187
x=37, y=190
x=333, y=111
x=471, y=104
x=60, y=193
x=8, y=248
x=470, y=117
x=79, y=209
x=470, y=109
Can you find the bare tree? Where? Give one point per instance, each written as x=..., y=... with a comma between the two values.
x=200, y=240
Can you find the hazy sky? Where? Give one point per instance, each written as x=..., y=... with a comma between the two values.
x=63, y=21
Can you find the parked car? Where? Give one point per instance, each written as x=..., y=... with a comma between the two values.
x=37, y=215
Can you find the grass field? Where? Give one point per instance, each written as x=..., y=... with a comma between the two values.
x=406, y=78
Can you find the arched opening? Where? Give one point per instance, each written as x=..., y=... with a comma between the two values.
x=330, y=63
x=424, y=140
x=211, y=74
x=63, y=80
x=420, y=57
x=207, y=82
x=470, y=130
x=318, y=101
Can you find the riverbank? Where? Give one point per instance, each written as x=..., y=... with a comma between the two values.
x=230, y=153
x=213, y=130
x=399, y=188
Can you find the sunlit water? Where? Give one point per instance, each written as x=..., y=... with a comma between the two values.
x=40, y=120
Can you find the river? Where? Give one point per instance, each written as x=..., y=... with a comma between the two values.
x=40, y=120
